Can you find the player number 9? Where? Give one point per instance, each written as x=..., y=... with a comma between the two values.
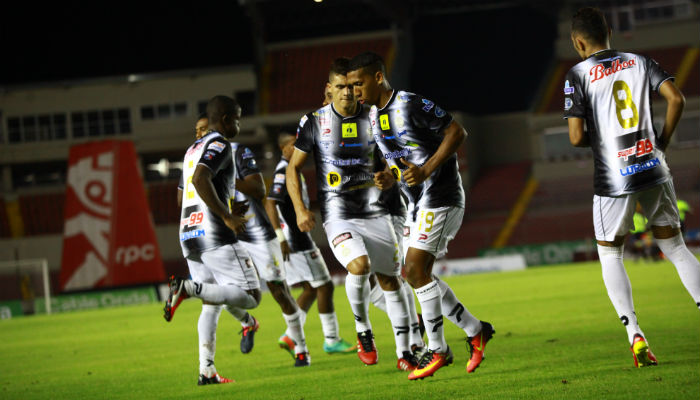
x=624, y=104
x=429, y=219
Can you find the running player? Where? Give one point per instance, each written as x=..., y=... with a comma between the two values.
x=419, y=140
x=611, y=91
x=359, y=232
x=221, y=270
x=303, y=261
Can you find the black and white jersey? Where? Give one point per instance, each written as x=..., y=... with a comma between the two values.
x=343, y=150
x=201, y=229
x=410, y=127
x=611, y=90
x=298, y=240
x=258, y=229
x=392, y=201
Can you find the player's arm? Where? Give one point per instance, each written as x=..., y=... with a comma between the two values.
x=252, y=186
x=577, y=136
x=675, y=102
x=202, y=181
x=271, y=210
x=179, y=198
x=305, y=218
x=454, y=136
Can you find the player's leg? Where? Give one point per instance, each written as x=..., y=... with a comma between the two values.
x=348, y=247
x=304, y=300
x=270, y=265
x=376, y=295
x=660, y=206
x=612, y=220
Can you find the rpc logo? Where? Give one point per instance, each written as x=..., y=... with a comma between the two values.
x=131, y=254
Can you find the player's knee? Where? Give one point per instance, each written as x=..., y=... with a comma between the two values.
x=253, y=299
x=665, y=232
x=359, y=266
x=390, y=283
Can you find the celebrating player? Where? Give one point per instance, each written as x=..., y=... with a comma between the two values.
x=359, y=232
x=611, y=92
x=419, y=140
x=303, y=260
x=221, y=270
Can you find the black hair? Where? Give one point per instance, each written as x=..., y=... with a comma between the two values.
x=202, y=115
x=591, y=24
x=339, y=66
x=219, y=106
x=370, y=62
x=284, y=137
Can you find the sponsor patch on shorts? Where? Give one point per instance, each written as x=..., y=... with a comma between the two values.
x=406, y=231
x=341, y=238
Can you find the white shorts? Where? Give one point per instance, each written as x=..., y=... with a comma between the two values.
x=613, y=216
x=399, y=222
x=433, y=229
x=267, y=258
x=307, y=266
x=226, y=265
x=373, y=237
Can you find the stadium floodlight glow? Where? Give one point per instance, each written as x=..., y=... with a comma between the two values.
x=318, y=1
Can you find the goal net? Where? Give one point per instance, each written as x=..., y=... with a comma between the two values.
x=24, y=288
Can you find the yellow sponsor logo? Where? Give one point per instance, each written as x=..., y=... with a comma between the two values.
x=397, y=172
x=384, y=122
x=333, y=179
x=349, y=130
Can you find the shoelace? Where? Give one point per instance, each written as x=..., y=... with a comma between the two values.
x=426, y=359
x=366, y=342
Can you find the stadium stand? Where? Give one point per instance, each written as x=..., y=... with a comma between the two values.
x=4, y=222
x=162, y=198
x=42, y=213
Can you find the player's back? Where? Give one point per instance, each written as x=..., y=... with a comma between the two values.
x=611, y=90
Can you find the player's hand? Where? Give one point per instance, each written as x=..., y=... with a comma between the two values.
x=305, y=220
x=413, y=175
x=384, y=180
x=235, y=222
x=286, y=250
x=239, y=208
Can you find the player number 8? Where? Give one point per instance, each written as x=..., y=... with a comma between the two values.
x=624, y=104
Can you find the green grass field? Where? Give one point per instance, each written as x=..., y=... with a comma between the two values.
x=557, y=338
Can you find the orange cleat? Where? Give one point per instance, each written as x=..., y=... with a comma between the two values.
x=366, y=349
x=430, y=363
x=641, y=352
x=477, y=344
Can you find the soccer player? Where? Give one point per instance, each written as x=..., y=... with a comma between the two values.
x=222, y=272
x=611, y=91
x=419, y=140
x=359, y=232
x=303, y=261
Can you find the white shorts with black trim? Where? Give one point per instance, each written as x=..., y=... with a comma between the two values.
x=433, y=229
x=399, y=224
x=226, y=265
x=307, y=266
x=373, y=237
x=614, y=216
x=267, y=258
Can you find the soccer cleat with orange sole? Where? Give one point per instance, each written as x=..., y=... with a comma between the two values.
x=477, y=344
x=641, y=352
x=430, y=363
x=175, y=297
x=214, y=379
x=407, y=362
x=248, y=336
x=286, y=343
x=366, y=349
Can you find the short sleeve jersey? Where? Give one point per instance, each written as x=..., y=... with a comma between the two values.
x=201, y=229
x=343, y=150
x=258, y=229
x=298, y=240
x=611, y=91
x=410, y=127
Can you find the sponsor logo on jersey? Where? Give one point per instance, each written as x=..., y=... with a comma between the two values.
x=193, y=219
x=333, y=179
x=303, y=121
x=439, y=112
x=568, y=103
x=396, y=172
x=247, y=153
x=326, y=132
x=398, y=154
x=343, y=163
x=277, y=189
x=384, y=122
x=343, y=144
x=568, y=89
x=279, y=178
x=422, y=237
x=599, y=71
x=191, y=234
x=403, y=97
x=412, y=144
x=406, y=231
x=326, y=143
x=341, y=238
x=349, y=130
x=399, y=121
x=208, y=155
x=428, y=105
x=216, y=146
x=198, y=145
x=642, y=147
x=641, y=167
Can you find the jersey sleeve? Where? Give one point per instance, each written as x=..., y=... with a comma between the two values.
x=245, y=162
x=656, y=74
x=216, y=155
x=278, y=190
x=181, y=185
x=574, y=100
x=305, y=135
x=428, y=115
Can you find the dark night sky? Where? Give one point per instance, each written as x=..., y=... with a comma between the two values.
x=482, y=61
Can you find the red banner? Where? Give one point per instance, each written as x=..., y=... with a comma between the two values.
x=108, y=238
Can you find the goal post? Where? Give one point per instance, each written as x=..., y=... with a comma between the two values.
x=25, y=277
